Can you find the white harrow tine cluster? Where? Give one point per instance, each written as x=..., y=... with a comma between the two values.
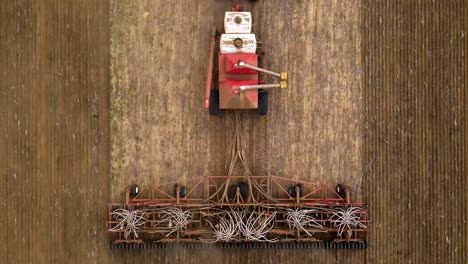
x=256, y=227
x=225, y=230
x=176, y=219
x=129, y=221
x=232, y=224
x=227, y=225
x=346, y=219
x=300, y=219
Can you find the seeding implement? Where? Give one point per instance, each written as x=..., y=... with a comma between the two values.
x=227, y=211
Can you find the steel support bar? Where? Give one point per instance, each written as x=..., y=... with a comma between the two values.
x=209, y=71
x=259, y=86
x=245, y=65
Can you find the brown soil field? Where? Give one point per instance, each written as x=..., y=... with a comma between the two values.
x=95, y=95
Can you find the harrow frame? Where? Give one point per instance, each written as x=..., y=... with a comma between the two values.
x=203, y=205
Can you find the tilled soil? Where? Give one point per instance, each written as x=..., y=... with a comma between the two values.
x=96, y=95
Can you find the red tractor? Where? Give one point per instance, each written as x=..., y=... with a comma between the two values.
x=233, y=79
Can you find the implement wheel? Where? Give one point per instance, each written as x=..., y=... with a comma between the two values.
x=134, y=190
x=244, y=190
x=292, y=190
x=340, y=190
x=183, y=191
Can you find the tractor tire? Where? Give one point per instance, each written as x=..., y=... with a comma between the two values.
x=262, y=102
x=214, y=103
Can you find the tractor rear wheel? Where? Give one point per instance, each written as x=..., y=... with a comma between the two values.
x=262, y=102
x=214, y=103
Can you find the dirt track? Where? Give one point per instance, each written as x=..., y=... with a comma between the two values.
x=95, y=95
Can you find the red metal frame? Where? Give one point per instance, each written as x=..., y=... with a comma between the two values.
x=232, y=59
x=209, y=73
